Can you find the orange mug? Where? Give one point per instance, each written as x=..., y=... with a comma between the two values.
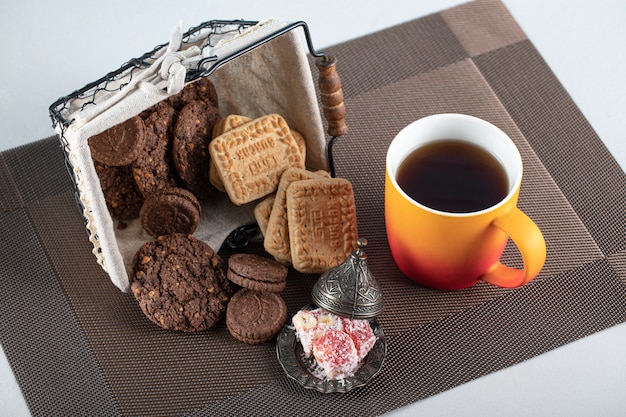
x=450, y=249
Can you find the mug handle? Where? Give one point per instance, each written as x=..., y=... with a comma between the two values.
x=531, y=244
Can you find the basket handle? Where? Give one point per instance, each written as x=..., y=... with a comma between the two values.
x=331, y=95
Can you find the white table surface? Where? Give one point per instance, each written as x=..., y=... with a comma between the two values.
x=50, y=48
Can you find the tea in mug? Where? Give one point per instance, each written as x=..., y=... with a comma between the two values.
x=453, y=176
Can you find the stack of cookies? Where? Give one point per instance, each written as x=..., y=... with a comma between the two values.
x=310, y=222
x=154, y=165
x=257, y=312
x=248, y=160
x=113, y=152
x=307, y=218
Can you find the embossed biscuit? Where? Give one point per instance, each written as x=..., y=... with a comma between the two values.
x=301, y=142
x=251, y=158
x=262, y=212
x=214, y=177
x=228, y=123
x=232, y=121
x=322, y=223
x=225, y=124
x=276, y=236
x=323, y=173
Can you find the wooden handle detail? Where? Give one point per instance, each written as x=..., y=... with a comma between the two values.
x=332, y=95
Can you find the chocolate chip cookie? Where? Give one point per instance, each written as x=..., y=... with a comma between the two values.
x=176, y=280
x=173, y=210
x=190, y=146
x=153, y=168
x=202, y=89
x=121, y=195
x=120, y=144
x=254, y=317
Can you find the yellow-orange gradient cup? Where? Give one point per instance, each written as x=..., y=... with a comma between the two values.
x=451, y=190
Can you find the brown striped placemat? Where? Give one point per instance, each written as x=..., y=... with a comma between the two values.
x=78, y=346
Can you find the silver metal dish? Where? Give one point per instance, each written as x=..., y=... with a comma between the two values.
x=303, y=370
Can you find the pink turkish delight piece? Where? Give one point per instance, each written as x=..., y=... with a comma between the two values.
x=336, y=354
x=310, y=325
x=361, y=333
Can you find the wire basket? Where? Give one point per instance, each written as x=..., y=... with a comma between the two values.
x=229, y=39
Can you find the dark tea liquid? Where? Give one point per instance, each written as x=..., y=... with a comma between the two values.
x=453, y=176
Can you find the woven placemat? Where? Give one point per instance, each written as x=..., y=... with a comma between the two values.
x=78, y=346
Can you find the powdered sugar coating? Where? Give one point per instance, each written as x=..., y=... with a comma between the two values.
x=312, y=324
x=362, y=335
x=336, y=353
x=338, y=344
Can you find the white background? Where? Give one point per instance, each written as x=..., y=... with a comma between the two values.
x=51, y=48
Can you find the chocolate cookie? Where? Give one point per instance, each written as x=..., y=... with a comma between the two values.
x=257, y=273
x=254, y=317
x=120, y=144
x=190, y=146
x=202, y=89
x=174, y=210
x=153, y=169
x=120, y=191
x=161, y=106
x=176, y=282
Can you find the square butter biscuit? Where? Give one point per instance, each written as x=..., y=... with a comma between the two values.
x=225, y=124
x=262, y=212
x=276, y=241
x=322, y=223
x=229, y=122
x=251, y=158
